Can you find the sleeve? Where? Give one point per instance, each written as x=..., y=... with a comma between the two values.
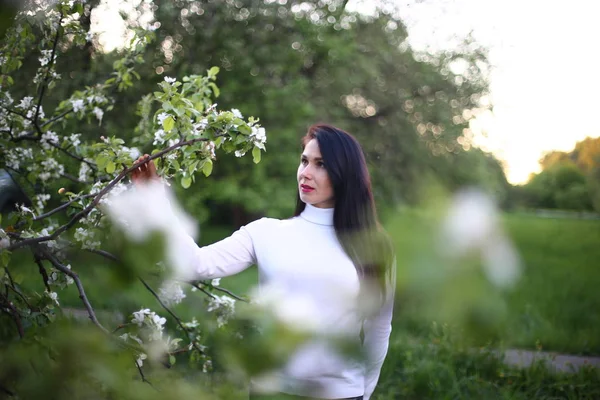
x=377, y=330
x=226, y=257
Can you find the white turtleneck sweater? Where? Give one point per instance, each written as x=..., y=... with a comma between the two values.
x=303, y=257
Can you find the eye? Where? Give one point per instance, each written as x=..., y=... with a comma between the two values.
x=320, y=164
x=303, y=161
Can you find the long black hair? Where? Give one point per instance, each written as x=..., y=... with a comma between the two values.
x=354, y=218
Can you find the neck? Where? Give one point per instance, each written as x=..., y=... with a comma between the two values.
x=319, y=216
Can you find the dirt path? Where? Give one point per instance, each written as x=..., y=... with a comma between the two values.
x=556, y=361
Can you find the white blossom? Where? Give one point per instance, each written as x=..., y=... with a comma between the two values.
x=86, y=238
x=14, y=157
x=26, y=103
x=50, y=169
x=170, y=80
x=239, y=153
x=159, y=137
x=74, y=139
x=31, y=113
x=132, y=152
x=224, y=307
x=98, y=113
x=53, y=296
x=41, y=200
x=472, y=226
x=192, y=324
x=89, y=36
x=140, y=360
x=171, y=293
x=48, y=138
x=4, y=239
x=207, y=366
x=7, y=98
x=140, y=316
x=77, y=105
x=202, y=124
x=45, y=59
x=216, y=282
x=161, y=117
x=236, y=113
x=259, y=137
x=84, y=172
x=210, y=146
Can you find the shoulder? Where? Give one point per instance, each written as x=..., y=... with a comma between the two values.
x=264, y=225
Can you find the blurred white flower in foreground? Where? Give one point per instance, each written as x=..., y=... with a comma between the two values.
x=293, y=310
x=171, y=293
x=143, y=209
x=472, y=225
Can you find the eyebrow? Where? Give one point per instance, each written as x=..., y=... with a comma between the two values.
x=316, y=158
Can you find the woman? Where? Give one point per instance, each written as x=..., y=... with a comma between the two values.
x=332, y=252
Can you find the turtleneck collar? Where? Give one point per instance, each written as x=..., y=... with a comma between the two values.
x=320, y=216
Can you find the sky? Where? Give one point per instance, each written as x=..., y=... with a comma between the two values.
x=545, y=85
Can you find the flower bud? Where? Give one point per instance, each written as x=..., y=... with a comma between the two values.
x=61, y=190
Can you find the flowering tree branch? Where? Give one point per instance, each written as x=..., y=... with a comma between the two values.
x=42, y=270
x=167, y=309
x=44, y=82
x=58, y=265
x=83, y=213
x=197, y=284
x=15, y=314
x=17, y=291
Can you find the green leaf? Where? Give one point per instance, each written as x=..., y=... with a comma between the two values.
x=207, y=167
x=110, y=167
x=213, y=72
x=186, y=181
x=101, y=161
x=4, y=257
x=172, y=359
x=256, y=155
x=215, y=89
x=168, y=124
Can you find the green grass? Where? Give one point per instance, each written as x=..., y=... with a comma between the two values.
x=557, y=300
x=555, y=303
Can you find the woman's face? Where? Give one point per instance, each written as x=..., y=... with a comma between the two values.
x=314, y=184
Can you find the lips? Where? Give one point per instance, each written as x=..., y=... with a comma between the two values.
x=306, y=188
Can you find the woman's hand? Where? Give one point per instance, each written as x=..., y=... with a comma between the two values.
x=145, y=173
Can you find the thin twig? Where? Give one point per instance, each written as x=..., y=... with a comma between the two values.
x=170, y=312
x=16, y=316
x=5, y=390
x=58, y=265
x=104, y=254
x=202, y=289
x=42, y=270
x=17, y=291
x=62, y=206
x=56, y=118
x=44, y=82
x=75, y=156
x=220, y=289
x=94, y=203
x=10, y=110
x=143, y=376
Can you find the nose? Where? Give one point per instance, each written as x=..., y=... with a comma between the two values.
x=306, y=172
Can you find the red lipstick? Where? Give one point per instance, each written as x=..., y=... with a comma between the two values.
x=306, y=188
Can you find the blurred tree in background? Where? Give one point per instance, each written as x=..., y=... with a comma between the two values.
x=568, y=180
x=295, y=63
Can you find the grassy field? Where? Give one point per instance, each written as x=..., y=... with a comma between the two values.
x=555, y=303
